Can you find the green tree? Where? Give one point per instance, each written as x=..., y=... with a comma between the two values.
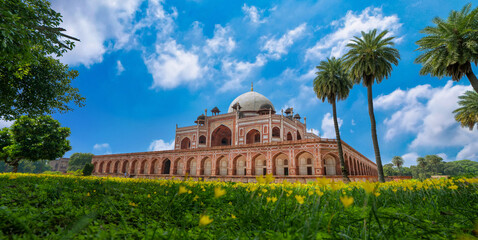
x=88, y=169
x=333, y=84
x=369, y=61
x=33, y=139
x=451, y=46
x=79, y=160
x=434, y=161
x=467, y=114
x=398, y=162
x=32, y=82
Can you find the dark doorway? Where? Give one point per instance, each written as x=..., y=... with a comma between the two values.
x=309, y=170
x=264, y=171
x=286, y=171
x=166, y=166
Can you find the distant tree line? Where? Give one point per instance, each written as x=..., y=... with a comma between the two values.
x=431, y=165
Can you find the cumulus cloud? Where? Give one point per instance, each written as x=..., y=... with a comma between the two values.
x=119, y=68
x=304, y=100
x=313, y=130
x=104, y=25
x=102, y=148
x=328, y=127
x=470, y=151
x=222, y=41
x=237, y=71
x=172, y=66
x=253, y=14
x=160, y=145
x=95, y=23
x=334, y=44
x=278, y=47
x=410, y=159
x=428, y=113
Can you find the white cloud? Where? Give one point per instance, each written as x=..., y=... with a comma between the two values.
x=172, y=66
x=313, y=130
x=238, y=71
x=428, y=113
x=304, y=100
x=109, y=25
x=5, y=123
x=278, y=47
x=470, y=151
x=95, y=23
x=328, y=127
x=221, y=41
x=159, y=145
x=410, y=159
x=253, y=14
x=102, y=148
x=353, y=122
x=334, y=44
x=119, y=68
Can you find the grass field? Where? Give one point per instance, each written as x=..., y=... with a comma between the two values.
x=59, y=206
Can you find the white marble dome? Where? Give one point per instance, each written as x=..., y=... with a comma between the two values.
x=250, y=102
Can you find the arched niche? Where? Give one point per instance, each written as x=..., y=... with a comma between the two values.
x=253, y=136
x=282, y=164
x=305, y=163
x=186, y=143
x=221, y=136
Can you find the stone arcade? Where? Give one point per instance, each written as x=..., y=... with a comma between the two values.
x=249, y=140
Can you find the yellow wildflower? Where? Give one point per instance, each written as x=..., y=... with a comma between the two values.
x=368, y=187
x=182, y=190
x=88, y=194
x=233, y=216
x=219, y=192
x=133, y=204
x=204, y=220
x=347, y=201
x=195, y=198
x=300, y=199
x=377, y=194
x=322, y=181
x=264, y=190
x=320, y=193
x=269, y=178
x=311, y=193
x=268, y=199
x=453, y=187
x=260, y=179
x=189, y=192
x=149, y=196
x=230, y=203
x=274, y=199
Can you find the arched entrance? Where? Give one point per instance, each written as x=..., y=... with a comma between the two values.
x=240, y=165
x=154, y=167
x=275, y=132
x=116, y=168
x=192, y=167
x=166, y=168
x=282, y=164
x=289, y=136
x=329, y=165
x=221, y=136
x=125, y=167
x=305, y=163
x=221, y=166
x=259, y=165
x=179, y=167
x=298, y=136
x=253, y=136
x=185, y=143
x=206, y=166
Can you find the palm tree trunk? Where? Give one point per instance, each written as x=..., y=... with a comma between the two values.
x=343, y=167
x=473, y=80
x=378, y=159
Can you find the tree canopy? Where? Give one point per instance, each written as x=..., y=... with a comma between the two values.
x=79, y=160
x=467, y=113
x=33, y=139
x=451, y=46
x=32, y=81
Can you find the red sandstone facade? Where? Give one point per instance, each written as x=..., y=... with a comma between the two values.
x=247, y=141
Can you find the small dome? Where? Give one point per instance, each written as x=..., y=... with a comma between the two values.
x=288, y=110
x=250, y=102
x=265, y=106
x=215, y=110
x=202, y=117
x=297, y=116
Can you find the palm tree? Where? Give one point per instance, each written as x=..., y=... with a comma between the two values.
x=370, y=60
x=467, y=114
x=332, y=83
x=451, y=46
x=398, y=162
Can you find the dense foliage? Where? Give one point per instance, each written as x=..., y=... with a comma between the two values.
x=32, y=81
x=467, y=113
x=432, y=165
x=58, y=206
x=26, y=166
x=450, y=46
x=33, y=139
x=79, y=160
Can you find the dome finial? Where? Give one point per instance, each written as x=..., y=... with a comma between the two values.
x=252, y=87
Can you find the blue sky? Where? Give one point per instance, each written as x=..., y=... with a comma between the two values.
x=146, y=66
